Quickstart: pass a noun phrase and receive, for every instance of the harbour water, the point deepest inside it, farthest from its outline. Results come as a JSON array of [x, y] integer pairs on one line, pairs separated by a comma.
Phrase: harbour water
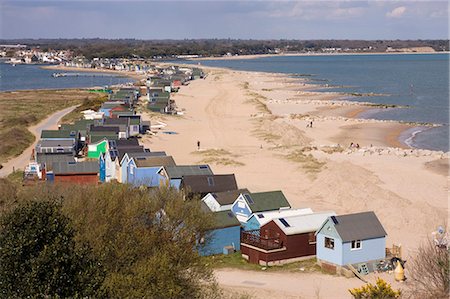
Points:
[[419, 82], [30, 76]]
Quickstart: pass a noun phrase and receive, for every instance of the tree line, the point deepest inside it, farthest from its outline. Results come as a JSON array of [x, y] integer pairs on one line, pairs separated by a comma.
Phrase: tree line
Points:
[[134, 48]]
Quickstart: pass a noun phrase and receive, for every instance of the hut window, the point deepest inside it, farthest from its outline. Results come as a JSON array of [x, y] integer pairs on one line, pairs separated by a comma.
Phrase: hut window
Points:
[[329, 243], [311, 238], [356, 244]]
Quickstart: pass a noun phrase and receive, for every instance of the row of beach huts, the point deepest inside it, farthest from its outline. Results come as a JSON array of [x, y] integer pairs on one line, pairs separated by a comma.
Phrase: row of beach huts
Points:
[[104, 147]]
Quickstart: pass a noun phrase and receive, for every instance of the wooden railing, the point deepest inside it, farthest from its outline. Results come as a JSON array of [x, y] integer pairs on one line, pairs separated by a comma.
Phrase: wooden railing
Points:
[[254, 238]]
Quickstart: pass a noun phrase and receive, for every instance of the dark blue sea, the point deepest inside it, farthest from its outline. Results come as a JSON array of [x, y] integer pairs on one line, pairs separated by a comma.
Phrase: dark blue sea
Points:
[[417, 81], [29, 76]]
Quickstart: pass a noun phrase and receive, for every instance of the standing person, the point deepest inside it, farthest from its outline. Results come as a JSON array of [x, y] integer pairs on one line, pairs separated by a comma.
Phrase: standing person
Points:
[[198, 145], [310, 124]]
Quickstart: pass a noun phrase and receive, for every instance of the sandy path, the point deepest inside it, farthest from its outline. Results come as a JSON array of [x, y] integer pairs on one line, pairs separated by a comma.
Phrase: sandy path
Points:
[[50, 123], [286, 284]]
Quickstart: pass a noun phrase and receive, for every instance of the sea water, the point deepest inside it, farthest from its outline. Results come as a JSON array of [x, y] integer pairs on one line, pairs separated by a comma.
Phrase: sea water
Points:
[[32, 76], [417, 82]]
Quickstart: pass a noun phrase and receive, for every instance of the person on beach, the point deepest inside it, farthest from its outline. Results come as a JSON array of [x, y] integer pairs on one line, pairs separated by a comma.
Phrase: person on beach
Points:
[[198, 145]]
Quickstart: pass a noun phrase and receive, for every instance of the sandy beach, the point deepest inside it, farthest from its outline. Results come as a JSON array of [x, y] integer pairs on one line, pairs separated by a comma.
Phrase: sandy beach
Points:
[[255, 125]]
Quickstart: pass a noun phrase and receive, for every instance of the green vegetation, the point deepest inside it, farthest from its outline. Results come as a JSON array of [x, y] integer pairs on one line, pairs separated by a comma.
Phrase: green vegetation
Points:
[[236, 261], [39, 256], [381, 290], [21, 109], [93, 103], [429, 271], [308, 162], [14, 141], [144, 240]]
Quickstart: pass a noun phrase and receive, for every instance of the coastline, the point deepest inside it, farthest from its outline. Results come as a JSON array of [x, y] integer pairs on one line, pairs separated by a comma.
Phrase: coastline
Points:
[[394, 137], [308, 54]]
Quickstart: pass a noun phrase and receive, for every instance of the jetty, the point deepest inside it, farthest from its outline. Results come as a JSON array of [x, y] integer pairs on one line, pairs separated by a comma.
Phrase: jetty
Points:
[[57, 75]]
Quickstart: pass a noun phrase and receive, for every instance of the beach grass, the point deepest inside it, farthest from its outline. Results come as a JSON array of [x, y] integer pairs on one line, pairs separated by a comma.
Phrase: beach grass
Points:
[[236, 261], [218, 157], [307, 161], [21, 109]]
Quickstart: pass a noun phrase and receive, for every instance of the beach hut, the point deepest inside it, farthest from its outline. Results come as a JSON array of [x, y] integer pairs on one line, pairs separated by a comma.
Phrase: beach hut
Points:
[[203, 184], [222, 201], [98, 148], [256, 220], [283, 240], [248, 203], [144, 171], [174, 174], [223, 235], [74, 172], [350, 239], [122, 164]]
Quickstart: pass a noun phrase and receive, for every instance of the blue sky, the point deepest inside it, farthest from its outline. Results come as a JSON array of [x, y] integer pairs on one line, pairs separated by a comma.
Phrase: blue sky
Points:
[[225, 19]]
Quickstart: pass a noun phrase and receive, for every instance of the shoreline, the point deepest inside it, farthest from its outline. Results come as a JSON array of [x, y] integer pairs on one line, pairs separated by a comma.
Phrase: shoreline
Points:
[[392, 139], [254, 56]]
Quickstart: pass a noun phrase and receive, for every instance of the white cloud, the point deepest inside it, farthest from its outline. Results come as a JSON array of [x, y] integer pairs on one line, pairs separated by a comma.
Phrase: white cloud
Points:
[[396, 12]]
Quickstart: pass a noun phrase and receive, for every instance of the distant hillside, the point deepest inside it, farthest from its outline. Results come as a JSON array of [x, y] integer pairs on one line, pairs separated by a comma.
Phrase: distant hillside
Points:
[[129, 48]]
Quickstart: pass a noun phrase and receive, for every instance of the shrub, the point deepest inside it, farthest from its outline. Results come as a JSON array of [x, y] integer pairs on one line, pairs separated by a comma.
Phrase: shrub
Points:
[[381, 290]]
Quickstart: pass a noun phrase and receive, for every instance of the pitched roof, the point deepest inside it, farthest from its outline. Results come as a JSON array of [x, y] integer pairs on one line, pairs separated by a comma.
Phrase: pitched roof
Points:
[[138, 153], [265, 217], [179, 171], [155, 161], [266, 201], [209, 183], [302, 223], [228, 197], [75, 167], [45, 134], [49, 159], [124, 142], [104, 129], [358, 226], [116, 121], [56, 143], [225, 219]]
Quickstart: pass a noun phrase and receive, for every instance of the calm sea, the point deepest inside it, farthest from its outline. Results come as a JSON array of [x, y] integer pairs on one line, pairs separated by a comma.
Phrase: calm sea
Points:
[[418, 81], [28, 76]]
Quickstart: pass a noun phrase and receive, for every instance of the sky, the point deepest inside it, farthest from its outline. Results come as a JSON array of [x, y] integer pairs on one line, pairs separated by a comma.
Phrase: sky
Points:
[[261, 19]]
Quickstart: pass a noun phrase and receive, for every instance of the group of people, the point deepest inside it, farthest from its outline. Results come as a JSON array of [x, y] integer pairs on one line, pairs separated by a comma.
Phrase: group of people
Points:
[[354, 145]]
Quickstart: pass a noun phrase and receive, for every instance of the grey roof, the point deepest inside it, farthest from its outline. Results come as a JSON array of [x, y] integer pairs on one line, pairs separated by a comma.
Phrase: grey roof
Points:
[[359, 226], [138, 153], [179, 171], [56, 143], [209, 183], [104, 129], [75, 167], [228, 197], [58, 134], [266, 201], [155, 161], [116, 121], [49, 159], [56, 146]]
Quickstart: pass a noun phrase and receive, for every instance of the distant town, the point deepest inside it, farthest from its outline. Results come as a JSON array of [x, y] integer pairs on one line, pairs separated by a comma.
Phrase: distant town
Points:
[[116, 54]]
